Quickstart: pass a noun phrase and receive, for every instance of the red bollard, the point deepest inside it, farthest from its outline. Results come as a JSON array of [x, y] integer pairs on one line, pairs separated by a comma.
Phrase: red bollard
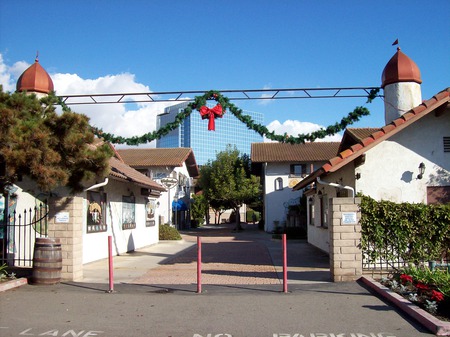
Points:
[[199, 265], [285, 287], [111, 268]]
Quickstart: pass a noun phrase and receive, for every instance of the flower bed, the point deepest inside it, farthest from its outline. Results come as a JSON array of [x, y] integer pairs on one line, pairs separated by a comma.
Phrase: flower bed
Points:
[[427, 289]]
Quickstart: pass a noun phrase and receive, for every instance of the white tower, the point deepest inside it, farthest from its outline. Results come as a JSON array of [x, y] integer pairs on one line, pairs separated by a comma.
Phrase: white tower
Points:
[[401, 83]]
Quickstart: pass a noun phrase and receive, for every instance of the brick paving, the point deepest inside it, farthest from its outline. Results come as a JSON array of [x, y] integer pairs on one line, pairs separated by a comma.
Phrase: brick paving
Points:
[[227, 258]]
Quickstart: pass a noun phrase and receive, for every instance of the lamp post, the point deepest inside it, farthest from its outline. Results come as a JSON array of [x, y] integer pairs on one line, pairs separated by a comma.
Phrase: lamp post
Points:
[[175, 198], [169, 183]]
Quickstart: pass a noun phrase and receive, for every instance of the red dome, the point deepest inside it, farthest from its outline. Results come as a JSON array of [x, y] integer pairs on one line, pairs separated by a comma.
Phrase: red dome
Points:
[[35, 79], [400, 68]]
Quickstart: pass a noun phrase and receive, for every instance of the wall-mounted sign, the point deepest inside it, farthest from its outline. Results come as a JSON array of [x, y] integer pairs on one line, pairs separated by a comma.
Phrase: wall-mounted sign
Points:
[[349, 218], [96, 212], [128, 212], [62, 217], [293, 182]]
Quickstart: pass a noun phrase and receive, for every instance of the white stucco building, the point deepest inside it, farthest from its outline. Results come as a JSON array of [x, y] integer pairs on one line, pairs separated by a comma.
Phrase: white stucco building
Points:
[[174, 168], [281, 166], [407, 160]]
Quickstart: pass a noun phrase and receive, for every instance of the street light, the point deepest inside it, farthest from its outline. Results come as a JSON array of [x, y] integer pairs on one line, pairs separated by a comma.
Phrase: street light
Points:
[[168, 183]]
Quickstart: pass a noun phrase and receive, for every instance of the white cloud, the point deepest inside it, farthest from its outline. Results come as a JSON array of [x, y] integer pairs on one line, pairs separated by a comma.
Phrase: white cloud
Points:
[[124, 120], [294, 128], [115, 118], [266, 96], [10, 74]]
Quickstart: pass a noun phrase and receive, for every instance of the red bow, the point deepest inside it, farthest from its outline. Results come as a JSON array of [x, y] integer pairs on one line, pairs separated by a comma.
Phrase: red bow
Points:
[[213, 113]]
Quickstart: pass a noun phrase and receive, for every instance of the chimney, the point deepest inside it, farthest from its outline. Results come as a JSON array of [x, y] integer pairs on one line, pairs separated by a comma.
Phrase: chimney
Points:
[[401, 84]]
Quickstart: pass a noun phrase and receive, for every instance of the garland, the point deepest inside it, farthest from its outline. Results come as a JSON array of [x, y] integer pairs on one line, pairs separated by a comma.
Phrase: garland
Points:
[[200, 101]]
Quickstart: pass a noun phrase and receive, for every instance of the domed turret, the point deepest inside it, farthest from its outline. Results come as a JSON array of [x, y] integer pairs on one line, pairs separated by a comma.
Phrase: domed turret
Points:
[[35, 79], [401, 83], [400, 68]]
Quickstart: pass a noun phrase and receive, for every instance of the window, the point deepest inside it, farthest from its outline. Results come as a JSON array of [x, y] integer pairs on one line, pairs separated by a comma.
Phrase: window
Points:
[[278, 184], [298, 170], [128, 212], [96, 212], [446, 141], [159, 175], [311, 211], [438, 194], [324, 210]]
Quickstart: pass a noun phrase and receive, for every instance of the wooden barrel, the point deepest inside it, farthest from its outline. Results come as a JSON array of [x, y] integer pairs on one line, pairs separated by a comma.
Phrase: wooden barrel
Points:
[[47, 261]]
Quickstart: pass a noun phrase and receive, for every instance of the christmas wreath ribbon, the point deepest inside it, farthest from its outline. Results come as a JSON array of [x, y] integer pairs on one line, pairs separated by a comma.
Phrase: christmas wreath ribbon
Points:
[[211, 114]]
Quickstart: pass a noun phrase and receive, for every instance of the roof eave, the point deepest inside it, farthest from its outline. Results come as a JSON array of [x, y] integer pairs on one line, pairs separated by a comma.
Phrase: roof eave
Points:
[[309, 179]]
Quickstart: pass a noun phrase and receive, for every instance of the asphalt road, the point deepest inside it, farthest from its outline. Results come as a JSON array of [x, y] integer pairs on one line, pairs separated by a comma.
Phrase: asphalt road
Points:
[[155, 295], [307, 310]]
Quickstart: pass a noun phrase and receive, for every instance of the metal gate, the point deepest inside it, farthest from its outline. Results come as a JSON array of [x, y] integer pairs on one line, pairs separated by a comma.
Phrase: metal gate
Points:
[[18, 232]]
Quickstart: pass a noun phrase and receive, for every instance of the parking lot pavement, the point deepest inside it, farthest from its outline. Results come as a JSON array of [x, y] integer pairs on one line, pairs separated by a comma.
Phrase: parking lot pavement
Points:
[[250, 256], [155, 295]]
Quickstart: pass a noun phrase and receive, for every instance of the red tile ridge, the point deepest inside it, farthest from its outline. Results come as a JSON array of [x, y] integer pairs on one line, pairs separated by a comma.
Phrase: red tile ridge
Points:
[[418, 109], [408, 115], [346, 153], [388, 128], [327, 167], [366, 141], [428, 103], [442, 95], [355, 148], [378, 134], [334, 161], [399, 121]]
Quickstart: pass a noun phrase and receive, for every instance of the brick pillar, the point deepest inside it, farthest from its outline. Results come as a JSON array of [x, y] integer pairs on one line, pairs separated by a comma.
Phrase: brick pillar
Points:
[[345, 239], [66, 224]]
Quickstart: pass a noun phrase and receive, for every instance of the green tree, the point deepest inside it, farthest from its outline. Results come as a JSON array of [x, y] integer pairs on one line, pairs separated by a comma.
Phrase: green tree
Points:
[[52, 149], [227, 182], [199, 208]]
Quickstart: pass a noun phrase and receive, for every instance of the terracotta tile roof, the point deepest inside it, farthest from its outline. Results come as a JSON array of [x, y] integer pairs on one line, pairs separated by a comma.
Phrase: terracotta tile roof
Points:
[[156, 157], [353, 136], [122, 172], [283, 152], [436, 103]]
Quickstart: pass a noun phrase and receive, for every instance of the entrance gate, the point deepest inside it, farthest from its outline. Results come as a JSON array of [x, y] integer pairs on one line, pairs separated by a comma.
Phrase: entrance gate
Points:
[[18, 233]]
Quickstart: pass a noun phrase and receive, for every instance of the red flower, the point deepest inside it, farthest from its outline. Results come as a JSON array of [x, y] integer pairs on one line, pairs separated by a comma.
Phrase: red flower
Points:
[[422, 286], [437, 296], [406, 278]]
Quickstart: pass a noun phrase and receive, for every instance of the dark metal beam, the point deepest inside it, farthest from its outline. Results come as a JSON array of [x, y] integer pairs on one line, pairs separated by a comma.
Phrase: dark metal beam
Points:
[[235, 95]]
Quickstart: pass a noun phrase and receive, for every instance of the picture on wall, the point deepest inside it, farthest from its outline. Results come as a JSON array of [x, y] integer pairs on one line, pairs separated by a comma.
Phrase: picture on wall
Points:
[[128, 212], [150, 208], [96, 212]]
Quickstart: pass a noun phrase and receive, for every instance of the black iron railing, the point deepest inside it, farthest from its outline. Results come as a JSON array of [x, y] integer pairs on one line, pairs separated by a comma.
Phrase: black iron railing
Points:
[[18, 233]]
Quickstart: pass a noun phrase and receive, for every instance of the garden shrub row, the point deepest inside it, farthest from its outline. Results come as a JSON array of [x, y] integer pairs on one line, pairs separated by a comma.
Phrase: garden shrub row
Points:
[[414, 232]]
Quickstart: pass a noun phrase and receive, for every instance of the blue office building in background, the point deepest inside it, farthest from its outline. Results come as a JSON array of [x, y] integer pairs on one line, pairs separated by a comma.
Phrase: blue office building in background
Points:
[[193, 132]]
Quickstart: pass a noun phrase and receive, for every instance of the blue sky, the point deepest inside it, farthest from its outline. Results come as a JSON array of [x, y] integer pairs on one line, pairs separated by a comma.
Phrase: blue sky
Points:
[[141, 46]]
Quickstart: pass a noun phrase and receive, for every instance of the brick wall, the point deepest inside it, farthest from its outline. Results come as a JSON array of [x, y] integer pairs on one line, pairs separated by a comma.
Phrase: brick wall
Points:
[[345, 239], [66, 224]]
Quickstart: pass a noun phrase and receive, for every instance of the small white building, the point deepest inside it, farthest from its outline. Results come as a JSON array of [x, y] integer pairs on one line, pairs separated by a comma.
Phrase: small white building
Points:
[[121, 206], [174, 168], [281, 166], [124, 206], [407, 160]]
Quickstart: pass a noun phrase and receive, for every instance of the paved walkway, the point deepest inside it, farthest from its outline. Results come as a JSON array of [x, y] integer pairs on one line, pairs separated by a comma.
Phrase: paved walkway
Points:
[[248, 257]]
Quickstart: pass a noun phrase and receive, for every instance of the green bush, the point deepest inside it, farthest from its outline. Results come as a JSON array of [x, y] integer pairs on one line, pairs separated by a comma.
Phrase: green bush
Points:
[[415, 232], [249, 216], [166, 232]]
